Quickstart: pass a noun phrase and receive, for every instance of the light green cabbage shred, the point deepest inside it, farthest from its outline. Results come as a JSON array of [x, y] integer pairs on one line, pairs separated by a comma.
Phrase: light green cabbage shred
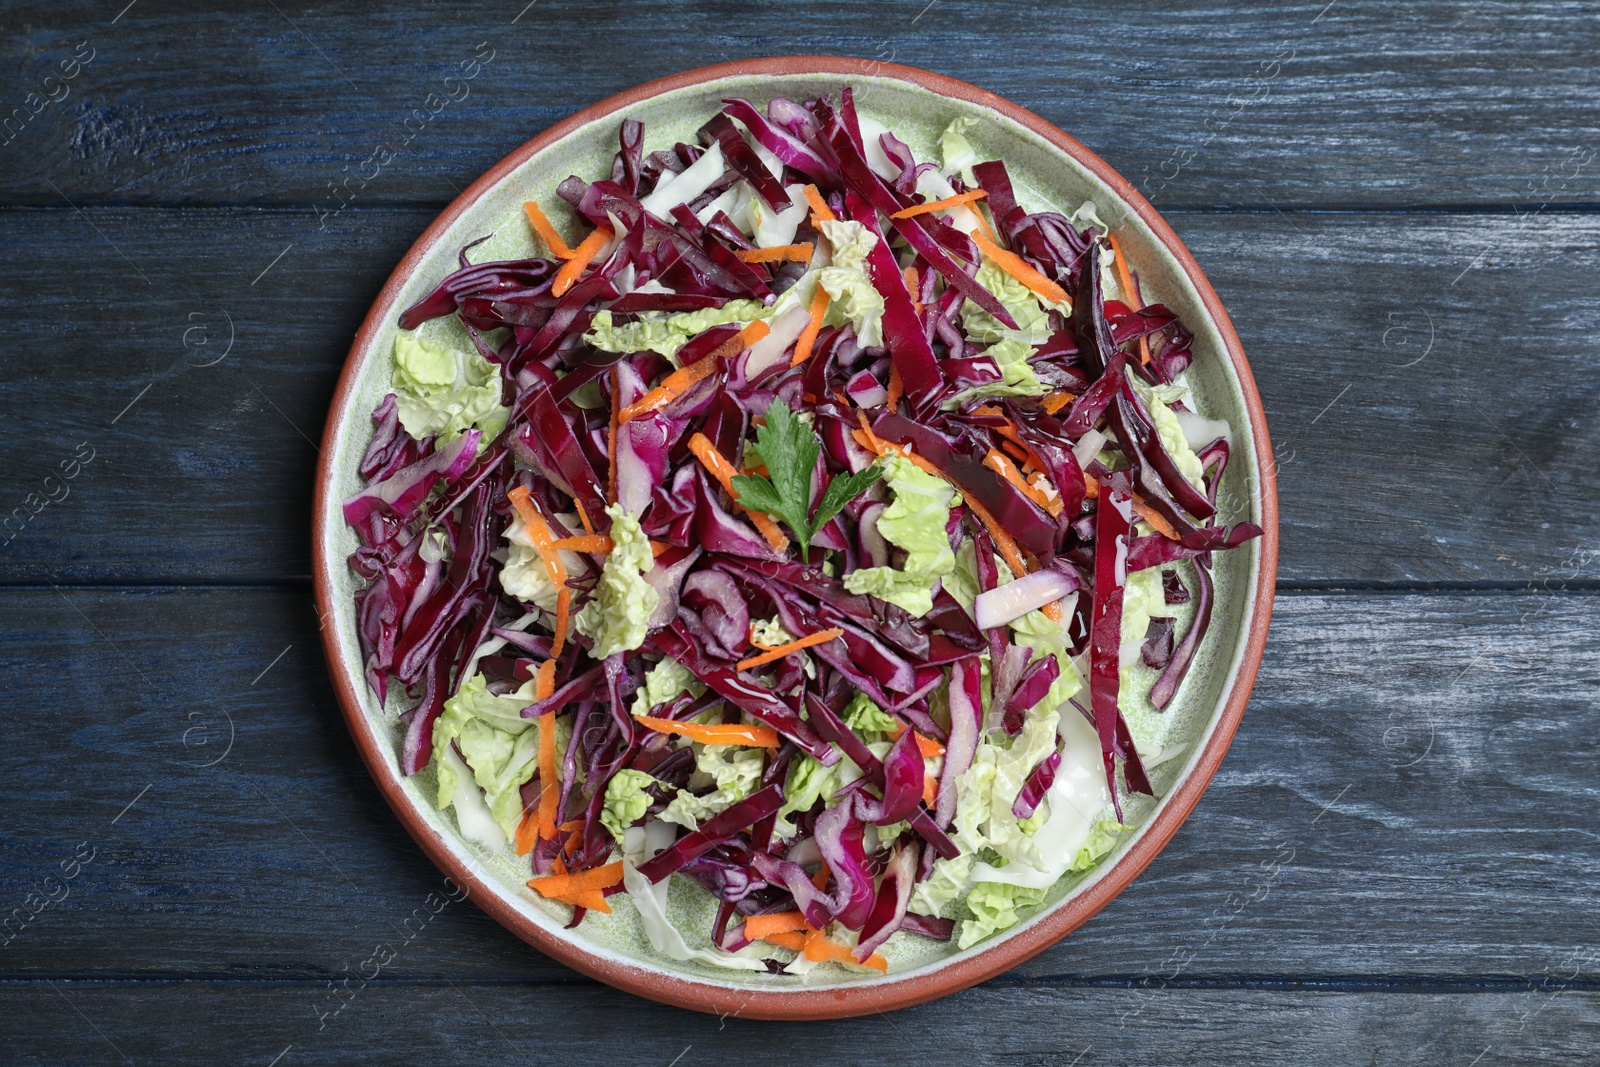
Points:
[[1033, 323], [955, 150], [735, 770], [852, 297], [626, 800], [915, 521], [663, 682], [444, 391], [865, 717], [616, 619], [665, 334], [499, 745], [994, 908], [1170, 430]]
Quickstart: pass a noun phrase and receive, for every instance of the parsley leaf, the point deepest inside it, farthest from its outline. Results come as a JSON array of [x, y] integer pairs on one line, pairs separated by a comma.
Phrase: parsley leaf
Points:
[[790, 449]]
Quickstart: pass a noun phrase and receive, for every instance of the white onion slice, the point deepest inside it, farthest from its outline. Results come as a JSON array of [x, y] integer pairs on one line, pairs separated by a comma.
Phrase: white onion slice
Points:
[[690, 183], [1015, 599]]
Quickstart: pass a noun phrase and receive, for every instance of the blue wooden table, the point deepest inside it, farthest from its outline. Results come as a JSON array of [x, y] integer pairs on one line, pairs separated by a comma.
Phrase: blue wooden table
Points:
[[1400, 859]]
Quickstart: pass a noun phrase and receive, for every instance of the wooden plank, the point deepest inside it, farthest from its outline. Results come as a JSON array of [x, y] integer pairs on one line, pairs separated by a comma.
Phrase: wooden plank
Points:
[[1428, 380], [210, 1023], [1309, 103], [1402, 800]]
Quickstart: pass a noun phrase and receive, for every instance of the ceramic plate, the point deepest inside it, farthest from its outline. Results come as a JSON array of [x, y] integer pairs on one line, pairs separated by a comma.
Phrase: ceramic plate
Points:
[[1050, 170]]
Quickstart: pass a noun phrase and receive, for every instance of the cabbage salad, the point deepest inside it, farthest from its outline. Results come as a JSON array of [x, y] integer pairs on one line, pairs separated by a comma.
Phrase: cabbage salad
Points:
[[791, 529]]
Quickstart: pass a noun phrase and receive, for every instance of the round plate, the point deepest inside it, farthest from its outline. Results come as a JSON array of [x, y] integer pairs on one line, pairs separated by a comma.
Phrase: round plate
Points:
[[1050, 170]]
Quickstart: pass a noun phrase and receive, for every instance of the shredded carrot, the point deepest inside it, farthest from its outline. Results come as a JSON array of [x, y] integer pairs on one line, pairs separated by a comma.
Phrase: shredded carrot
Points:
[[986, 226], [1003, 542], [590, 899], [820, 879], [808, 336], [914, 287], [1130, 295], [716, 733], [658, 547], [1091, 488], [757, 927], [581, 256], [544, 544], [574, 839], [897, 388], [820, 948], [1001, 464], [795, 942], [527, 831], [930, 789], [1019, 269], [567, 884], [1156, 519], [1017, 452], [879, 447], [941, 205], [541, 226], [1057, 400], [598, 544], [571, 825], [681, 380], [723, 472], [929, 748], [583, 516], [800, 253], [876, 445], [818, 638], [820, 211]]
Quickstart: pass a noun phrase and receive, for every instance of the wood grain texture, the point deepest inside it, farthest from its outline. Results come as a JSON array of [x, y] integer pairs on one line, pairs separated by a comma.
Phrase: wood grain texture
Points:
[[1429, 384], [209, 1023], [1220, 103], [1411, 795]]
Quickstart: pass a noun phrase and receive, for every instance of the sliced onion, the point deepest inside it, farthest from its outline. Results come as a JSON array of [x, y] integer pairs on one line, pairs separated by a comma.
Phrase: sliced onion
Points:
[[1015, 599]]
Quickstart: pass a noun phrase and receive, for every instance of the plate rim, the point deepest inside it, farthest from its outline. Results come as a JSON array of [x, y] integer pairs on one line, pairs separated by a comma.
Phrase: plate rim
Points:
[[874, 995]]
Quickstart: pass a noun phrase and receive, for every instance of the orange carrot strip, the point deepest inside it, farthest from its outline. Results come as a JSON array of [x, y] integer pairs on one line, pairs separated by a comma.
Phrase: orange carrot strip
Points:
[[544, 544], [598, 544], [1130, 295], [795, 942], [897, 388], [549, 788], [757, 927], [941, 205], [1019, 269], [1057, 400], [581, 257], [1001, 464], [1155, 518], [570, 825], [930, 790], [580, 882], [876, 445], [800, 253], [820, 948], [1003, 542], [818, 638], [583, 516], [1091, 488], [879, 447], [820, 879], [914, 287], [527, 831], [808, 336], [716, 733], [820, 211], [929, 748], [541, 226], [679, 381], [723, 472]]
